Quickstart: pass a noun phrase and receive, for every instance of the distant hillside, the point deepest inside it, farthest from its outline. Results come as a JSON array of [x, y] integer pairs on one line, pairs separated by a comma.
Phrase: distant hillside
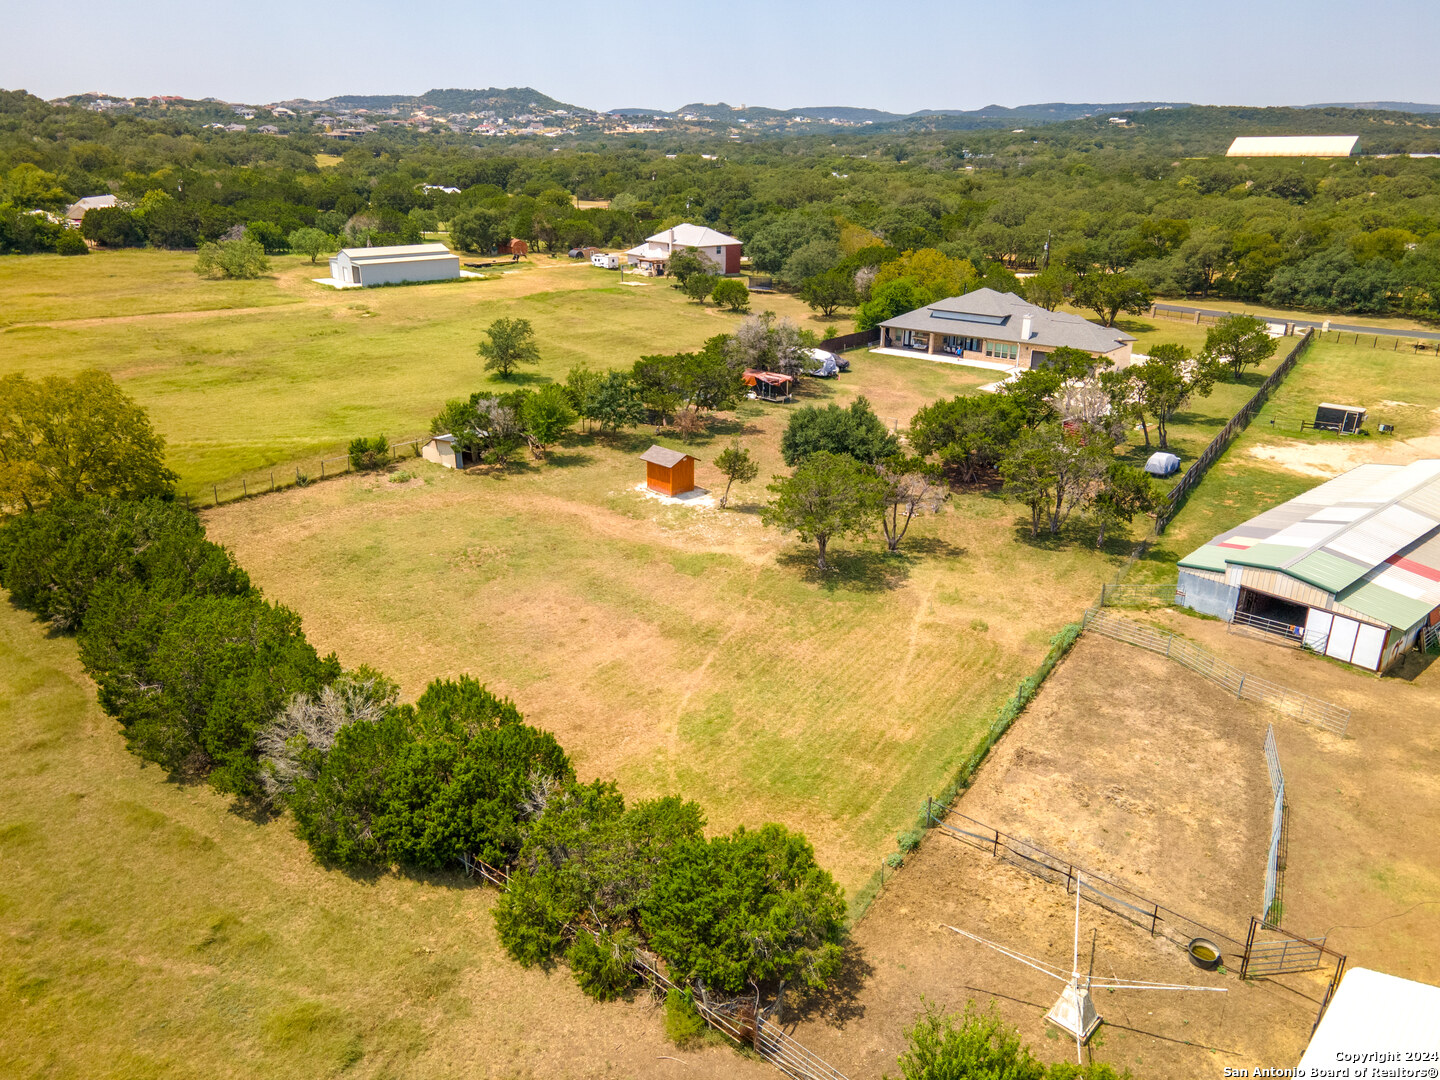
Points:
[[511, 101], [1386, 106], [1048, 113]]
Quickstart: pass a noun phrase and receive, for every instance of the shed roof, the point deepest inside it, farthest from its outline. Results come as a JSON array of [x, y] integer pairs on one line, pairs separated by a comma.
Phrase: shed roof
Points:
[[666, 459], [997, 316], [397, 253], [1374, 1012], [1294, 146], [1370, 538]]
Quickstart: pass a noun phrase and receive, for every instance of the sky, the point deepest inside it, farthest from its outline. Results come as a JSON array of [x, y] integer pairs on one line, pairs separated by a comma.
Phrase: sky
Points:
[[901, 56]]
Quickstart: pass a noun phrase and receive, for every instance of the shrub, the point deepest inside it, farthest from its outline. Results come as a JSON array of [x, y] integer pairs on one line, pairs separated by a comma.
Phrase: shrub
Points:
[[684, 1026], [243, 258], [602, 964], [731, 293], [70, 242], [368, 454]]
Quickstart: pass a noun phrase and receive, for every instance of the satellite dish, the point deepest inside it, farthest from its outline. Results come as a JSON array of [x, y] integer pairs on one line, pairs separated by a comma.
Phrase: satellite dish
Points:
[[1074, 1011]]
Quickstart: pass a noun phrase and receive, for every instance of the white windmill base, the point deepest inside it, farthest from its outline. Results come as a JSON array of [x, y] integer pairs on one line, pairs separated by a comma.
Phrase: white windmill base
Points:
[[1075, 1012]]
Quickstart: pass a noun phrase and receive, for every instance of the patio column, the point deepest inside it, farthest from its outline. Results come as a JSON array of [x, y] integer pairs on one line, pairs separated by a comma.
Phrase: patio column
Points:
[[933, 337]]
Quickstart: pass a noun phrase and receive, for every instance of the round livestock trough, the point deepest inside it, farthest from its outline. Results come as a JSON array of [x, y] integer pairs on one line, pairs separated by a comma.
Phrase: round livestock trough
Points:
[[1204, 953]]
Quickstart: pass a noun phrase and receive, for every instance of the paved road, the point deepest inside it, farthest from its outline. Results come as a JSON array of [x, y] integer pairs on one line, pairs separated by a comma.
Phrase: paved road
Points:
[[1420, 335]]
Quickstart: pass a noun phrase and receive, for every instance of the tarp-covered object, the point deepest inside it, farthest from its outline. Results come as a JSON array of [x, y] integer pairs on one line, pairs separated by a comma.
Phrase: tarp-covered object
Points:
[[1162, 464], [823, 364]]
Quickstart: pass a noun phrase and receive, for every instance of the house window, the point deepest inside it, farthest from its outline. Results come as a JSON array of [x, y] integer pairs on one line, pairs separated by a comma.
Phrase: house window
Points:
[[957, 345], [1002, 350]]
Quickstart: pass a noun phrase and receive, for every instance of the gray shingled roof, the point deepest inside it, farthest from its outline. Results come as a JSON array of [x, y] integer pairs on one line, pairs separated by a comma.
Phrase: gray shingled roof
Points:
[[666, 459], [1001, 318]]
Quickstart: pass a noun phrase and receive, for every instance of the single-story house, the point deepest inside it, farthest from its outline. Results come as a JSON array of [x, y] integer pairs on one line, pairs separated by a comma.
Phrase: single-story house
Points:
[[443, 451], [721, 251], [1309, 146], [668, 472], [397, 263], [999, 330], [1350, 568], [1374, 1014], [75, 213]]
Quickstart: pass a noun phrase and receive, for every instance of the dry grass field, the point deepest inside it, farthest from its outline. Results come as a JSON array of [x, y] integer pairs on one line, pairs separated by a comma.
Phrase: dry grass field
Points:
[[147, 931]]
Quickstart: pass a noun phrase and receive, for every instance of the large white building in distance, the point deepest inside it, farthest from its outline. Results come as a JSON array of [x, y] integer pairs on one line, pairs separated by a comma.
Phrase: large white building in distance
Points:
[[1306, 146], [393, 265]]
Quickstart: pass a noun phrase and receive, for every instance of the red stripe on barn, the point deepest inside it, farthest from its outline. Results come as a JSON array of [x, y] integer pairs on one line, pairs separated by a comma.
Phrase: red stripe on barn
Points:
[[1419, 569]]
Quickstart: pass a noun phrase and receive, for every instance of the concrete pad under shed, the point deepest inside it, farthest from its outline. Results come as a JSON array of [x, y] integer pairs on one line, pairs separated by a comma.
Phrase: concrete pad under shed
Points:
[[698, 498]]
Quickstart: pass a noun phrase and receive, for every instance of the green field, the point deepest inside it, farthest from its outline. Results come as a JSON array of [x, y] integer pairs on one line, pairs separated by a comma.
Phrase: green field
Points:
[[670, 648], [1273, 460]]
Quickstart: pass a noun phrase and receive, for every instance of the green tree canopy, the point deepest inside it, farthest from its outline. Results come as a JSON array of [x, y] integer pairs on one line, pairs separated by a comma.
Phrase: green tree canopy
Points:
[[1239, 342], [855, 431], [308, 241], [748, 912], [1109, 294], [828, 496], [73, 438], [509, 343]]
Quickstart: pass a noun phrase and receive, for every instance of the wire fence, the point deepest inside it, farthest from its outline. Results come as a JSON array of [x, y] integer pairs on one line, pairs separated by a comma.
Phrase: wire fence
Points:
[[300, 473], [1237, 423], [746, 1024], [1247, 687], [1275, 862], [1118, 594]]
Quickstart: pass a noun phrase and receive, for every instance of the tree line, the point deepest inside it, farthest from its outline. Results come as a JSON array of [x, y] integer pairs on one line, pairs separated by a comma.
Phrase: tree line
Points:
[[1347, 235], [215, 683]]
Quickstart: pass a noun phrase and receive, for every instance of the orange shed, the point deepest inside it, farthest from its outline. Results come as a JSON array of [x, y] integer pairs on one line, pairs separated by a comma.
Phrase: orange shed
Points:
[[668, 471]]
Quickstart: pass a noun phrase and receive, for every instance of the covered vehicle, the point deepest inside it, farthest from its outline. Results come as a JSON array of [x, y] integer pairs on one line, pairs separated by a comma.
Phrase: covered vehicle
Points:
[[824, 364], [1162, 463]]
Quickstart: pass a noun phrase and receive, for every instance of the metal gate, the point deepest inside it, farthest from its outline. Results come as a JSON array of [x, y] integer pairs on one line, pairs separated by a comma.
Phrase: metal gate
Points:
[[1270, 951]]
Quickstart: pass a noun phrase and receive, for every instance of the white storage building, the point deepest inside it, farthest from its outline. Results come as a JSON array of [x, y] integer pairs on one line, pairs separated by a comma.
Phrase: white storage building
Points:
[[1309, 146], [392, 265]]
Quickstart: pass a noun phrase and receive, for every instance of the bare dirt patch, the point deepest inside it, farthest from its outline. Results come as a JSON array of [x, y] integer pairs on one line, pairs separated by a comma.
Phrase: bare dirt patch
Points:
[[1137, 769], [1144, 772], [1325, 460]]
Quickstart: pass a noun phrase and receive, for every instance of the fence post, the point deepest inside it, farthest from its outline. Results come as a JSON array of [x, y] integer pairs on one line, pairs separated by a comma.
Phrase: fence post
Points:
[[244, 488], [1240, 690], [272, 479], [215, 490], [322, 468], [929, 817]]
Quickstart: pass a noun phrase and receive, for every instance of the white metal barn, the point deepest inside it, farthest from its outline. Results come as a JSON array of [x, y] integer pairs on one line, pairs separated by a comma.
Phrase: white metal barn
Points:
[[392, 265], [1395, 1020], [1308, 146], [1350, 568]]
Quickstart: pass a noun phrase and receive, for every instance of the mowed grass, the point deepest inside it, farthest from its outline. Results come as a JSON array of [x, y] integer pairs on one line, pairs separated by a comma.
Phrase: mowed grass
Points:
[[237, 390], [684, 650], [148, 931], [1397, 387]]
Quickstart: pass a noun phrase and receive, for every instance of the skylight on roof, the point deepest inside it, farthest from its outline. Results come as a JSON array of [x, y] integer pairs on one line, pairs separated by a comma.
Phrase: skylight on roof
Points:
[[968, 316]]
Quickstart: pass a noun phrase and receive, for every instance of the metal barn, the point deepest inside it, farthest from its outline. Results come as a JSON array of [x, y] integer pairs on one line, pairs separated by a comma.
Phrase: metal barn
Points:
[[1350, 569]]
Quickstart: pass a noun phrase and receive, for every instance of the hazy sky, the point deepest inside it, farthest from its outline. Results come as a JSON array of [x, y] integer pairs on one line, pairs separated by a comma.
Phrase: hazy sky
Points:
[[900, 56]]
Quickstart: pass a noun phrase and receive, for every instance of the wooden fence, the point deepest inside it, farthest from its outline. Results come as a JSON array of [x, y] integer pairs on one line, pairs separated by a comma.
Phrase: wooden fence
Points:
[[1266, 951], [1236, 424], [850, 341], [1291, 703]]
